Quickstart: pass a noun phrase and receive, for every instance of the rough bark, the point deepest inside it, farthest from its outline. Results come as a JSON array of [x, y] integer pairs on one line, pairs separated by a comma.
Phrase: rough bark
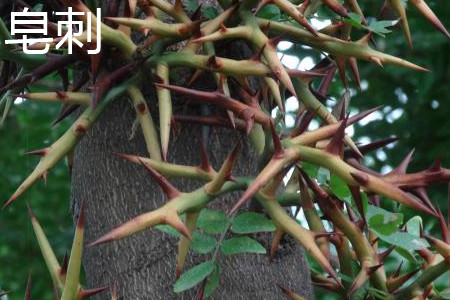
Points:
[[143, 265]]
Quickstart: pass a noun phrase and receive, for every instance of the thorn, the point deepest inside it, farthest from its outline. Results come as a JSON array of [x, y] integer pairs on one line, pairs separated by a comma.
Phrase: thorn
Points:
[[303, 122], [318, 191], [429, 14], [194, 77], [354, 67], [289, 293], [65, 265], [114, 293], [65, 111], [171, 191], [205, 165], [278, 149], [436, 165], [175, 221], [92, 292], [28, 289], [81, 215], [376, 60], [275, 244], [224, 173], [40, 152], [398, 270], [365, 40], [336, 145], [336, 7], [385, 254], [370, 147], [403, 166]]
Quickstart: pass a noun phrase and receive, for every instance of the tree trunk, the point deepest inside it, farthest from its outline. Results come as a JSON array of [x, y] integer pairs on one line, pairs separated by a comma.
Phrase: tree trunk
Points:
[[143, 265]]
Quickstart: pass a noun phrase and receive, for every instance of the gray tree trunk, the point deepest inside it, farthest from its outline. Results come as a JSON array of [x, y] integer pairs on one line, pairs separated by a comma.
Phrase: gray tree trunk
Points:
[[143, 265]]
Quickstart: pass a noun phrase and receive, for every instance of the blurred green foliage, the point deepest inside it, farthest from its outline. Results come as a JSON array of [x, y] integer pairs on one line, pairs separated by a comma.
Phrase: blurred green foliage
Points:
[[29, 128]]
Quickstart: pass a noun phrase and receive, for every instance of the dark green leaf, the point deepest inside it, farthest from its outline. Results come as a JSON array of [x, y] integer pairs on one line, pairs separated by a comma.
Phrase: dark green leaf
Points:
[[241, 245], [339, 187], [192, 5], [212, 282], [168, 229], [212, 221], [271, 12], [251, 222], [193, 276], [323, 175], [405, 240], [202, 243], [209, 12], [413, 225], [383, 221]]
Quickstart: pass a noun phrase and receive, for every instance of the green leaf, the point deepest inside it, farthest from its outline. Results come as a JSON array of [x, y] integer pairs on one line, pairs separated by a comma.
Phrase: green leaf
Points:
[[406, 254], [192, 5], [413, 225], [241, 245], [202, 243], [323, 175], [212, 221], [354, 20], [339, 187], [209, 12], [212, 282], [380, 27], [405, 241], [271, 12], [310, 169], [193, 276], [251, 222], [382, 221], [168, 229], [445, 294]]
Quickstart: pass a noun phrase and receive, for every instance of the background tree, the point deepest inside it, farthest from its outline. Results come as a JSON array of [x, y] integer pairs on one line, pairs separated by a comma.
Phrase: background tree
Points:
[[93, 166]]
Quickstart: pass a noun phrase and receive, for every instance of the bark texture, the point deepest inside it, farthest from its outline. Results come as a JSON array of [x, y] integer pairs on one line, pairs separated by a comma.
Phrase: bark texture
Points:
[[143, 265]]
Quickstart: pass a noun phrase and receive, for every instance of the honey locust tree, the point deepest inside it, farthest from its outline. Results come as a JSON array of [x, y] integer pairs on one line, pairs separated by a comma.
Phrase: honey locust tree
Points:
[[147, 112]]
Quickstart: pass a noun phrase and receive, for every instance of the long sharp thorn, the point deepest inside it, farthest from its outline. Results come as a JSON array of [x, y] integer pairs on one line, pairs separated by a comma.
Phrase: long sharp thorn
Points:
[[336, 7], [72, 282], [114, 293], [40, 152], [399, 8], [278, 149], [166, 186], [224, 173], [444, 227], [91, 292], [205, 165], [175, 221], [370, 147], [391, 191], [395, 282], [336, 145], [362, 277], [66, 111], [403, 166], [28, 290], [355, 71], [289, 293], [275, 243], [429, 14]]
